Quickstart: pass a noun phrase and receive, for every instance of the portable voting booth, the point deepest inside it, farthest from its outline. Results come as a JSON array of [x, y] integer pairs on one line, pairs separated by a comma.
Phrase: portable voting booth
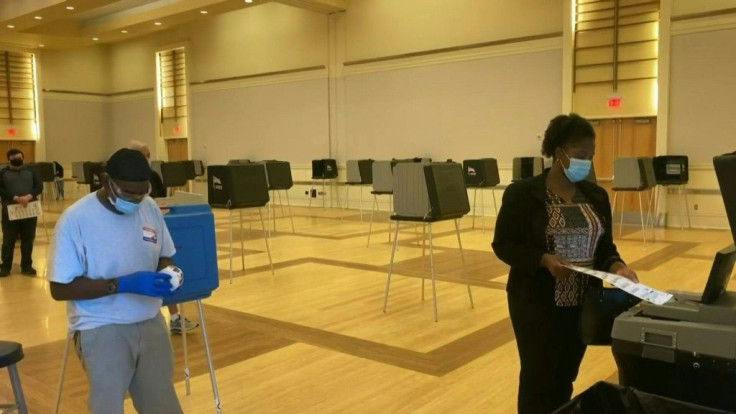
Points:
[[526, 167], [428, 193], [237, 187], [323, 170], [686, 348], [359, 173], [480, 174], [192, 228], [278, 178]]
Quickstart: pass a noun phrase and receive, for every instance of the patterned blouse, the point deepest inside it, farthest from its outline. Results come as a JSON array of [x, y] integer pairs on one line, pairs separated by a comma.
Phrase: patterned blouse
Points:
[[573, 232]]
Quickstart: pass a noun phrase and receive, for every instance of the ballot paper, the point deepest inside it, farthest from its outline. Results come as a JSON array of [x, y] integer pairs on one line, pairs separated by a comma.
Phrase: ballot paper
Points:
[[639, 290], [18, 211]]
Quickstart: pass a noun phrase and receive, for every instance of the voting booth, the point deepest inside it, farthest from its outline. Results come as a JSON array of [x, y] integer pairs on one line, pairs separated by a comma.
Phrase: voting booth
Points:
[[686, 348], [237, 187], [279, 179], [427, 193], [481, 174], [526, 167], [323, 170], [359, 173], [92, 174]]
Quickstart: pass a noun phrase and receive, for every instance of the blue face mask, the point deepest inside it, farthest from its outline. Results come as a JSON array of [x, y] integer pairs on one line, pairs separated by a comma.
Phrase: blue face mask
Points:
[[578, 170], [122, 205]]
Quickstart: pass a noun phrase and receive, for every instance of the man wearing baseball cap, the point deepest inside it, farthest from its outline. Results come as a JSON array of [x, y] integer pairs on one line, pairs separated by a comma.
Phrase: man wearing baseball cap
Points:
[[104, 261]]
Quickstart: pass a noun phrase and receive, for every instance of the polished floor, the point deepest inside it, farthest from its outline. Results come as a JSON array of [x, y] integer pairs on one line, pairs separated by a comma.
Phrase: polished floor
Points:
[[312, 337]]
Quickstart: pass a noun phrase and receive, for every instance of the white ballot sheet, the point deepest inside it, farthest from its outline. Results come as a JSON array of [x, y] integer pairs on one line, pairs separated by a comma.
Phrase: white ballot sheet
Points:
[[639, 290], [18, 212]]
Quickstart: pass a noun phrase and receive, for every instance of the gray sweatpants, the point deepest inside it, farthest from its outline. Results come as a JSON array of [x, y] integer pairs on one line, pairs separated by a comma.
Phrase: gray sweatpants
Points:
[[137, 358]]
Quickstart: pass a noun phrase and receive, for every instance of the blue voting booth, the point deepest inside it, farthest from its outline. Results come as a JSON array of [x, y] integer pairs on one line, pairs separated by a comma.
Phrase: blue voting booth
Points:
[[192, 227]]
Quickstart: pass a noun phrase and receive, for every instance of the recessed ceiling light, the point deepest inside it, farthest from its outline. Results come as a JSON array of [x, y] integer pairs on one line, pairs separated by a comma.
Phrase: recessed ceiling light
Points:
[[41, 45], [10, 26], [249, 1], [95, 38], [38, 17], [70, 7], [123, 31], [157, 23], [203, 11]]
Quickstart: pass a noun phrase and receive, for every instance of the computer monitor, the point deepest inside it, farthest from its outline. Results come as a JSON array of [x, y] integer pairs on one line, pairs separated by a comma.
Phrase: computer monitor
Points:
[[725, 166], [720, 274]]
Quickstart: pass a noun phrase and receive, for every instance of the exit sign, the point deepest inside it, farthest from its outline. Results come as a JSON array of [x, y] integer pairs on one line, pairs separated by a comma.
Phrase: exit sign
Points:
[[614, 102]]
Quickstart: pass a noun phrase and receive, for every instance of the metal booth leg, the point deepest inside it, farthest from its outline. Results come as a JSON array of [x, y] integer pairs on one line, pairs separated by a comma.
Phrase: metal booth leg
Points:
[[213, 380], [462, 260], [390, 269]]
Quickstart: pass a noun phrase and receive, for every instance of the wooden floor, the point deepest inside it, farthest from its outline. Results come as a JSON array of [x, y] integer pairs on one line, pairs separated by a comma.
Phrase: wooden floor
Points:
[[312, 338]]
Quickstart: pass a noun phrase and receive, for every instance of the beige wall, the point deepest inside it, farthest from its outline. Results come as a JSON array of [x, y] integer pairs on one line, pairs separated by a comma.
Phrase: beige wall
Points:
[[81, 70], [703, 84], [377, 28], [267, 38], [76, 130], [685, 7]]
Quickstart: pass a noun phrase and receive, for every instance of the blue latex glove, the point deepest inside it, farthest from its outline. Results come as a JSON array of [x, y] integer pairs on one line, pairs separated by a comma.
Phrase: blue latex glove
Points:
[[153, 284]]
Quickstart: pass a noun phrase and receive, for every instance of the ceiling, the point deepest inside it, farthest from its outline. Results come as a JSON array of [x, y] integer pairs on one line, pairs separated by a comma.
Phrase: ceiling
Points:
[[64, 24]]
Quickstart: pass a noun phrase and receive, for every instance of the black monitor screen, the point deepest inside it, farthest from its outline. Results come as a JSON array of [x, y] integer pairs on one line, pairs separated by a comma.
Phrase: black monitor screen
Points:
[[720, 274], [725, 166]]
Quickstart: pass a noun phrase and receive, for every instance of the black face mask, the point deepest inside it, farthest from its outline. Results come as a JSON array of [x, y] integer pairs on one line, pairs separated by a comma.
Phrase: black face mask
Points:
[[16, 162]]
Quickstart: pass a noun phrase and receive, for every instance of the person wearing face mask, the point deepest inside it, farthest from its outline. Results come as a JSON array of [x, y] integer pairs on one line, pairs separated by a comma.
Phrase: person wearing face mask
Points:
[[104, 261], [18, 185], [176, 322], [546, 222]]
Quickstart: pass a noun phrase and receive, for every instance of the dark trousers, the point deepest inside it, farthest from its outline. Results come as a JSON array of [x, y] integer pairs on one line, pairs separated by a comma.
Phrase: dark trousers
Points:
[[550, 352], [26, 229]]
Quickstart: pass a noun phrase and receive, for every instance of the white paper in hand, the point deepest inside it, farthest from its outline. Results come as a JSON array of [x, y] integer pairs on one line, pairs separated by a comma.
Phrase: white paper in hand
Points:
[[639, 290]]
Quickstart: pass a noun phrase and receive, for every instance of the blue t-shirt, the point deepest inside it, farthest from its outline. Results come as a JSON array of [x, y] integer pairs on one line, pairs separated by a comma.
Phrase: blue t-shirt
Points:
[[94, 242]]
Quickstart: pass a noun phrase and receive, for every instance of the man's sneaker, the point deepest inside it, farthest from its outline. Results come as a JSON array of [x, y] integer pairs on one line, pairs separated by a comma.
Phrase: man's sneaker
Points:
[[4, 272], [29, 271], [175, 326]]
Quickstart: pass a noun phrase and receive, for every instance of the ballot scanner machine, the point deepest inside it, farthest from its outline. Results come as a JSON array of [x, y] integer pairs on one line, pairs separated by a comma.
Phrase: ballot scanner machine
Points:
[[686, 348]]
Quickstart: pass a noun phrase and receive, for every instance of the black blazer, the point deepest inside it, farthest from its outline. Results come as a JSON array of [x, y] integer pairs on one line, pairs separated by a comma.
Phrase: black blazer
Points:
[[520, 240]]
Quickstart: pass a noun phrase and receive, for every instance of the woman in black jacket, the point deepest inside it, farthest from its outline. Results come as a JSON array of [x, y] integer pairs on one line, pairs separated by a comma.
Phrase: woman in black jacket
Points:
[[546, 222]]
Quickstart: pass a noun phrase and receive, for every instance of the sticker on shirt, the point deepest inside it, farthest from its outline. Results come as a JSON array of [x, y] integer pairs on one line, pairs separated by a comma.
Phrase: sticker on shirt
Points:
[[149, 235]]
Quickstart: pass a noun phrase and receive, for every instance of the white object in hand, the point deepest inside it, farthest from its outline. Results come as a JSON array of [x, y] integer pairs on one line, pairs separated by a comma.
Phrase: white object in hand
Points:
[[177, 276]]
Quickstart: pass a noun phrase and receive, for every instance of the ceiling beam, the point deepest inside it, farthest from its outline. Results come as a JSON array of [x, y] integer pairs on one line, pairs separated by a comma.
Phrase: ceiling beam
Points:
[[321, 6]]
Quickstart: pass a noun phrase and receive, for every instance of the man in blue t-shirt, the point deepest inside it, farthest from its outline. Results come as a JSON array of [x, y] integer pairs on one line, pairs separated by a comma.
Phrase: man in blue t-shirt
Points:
[[105, 258]]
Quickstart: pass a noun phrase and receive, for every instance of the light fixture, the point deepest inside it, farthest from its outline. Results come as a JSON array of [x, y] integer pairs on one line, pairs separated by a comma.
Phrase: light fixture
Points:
[[70, 7], [10, 26], [38, 17], [95, 38], [203, 11], [249, 1], [123, 31], [157, 23], [41, 45]]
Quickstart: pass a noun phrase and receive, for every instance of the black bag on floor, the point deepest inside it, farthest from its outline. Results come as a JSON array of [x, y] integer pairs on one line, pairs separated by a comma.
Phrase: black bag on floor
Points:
[[605, 398]]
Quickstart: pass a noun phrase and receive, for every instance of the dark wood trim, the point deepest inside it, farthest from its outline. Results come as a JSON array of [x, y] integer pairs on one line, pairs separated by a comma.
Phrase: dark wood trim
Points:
[[260, 75], [455, 48], [107, 95], [711, 13]]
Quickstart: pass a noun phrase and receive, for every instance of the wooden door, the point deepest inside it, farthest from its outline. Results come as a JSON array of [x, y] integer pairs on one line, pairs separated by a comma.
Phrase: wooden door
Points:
[[622, 137], [177, 149], [27, 146], [605, 145]]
